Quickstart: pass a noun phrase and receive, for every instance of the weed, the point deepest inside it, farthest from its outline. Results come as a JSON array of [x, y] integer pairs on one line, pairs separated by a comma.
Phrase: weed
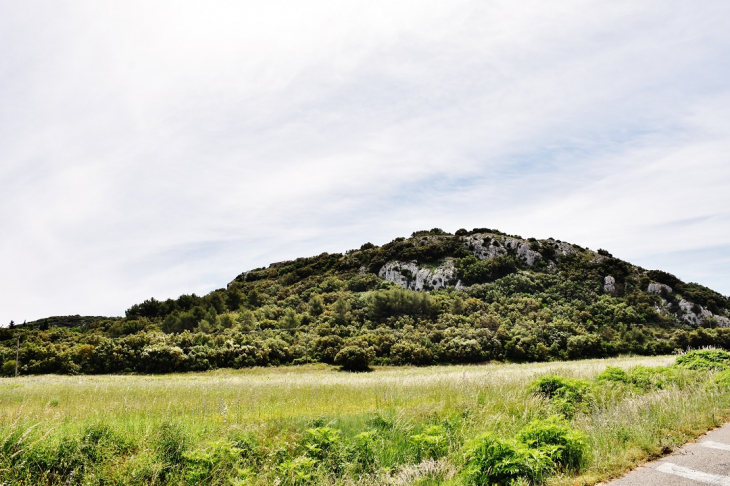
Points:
[[565, 446], [298, 471], [101, 442], [362, 450], [494, 461], [568, 396], [430, 444], [322, 442], [379, 422]]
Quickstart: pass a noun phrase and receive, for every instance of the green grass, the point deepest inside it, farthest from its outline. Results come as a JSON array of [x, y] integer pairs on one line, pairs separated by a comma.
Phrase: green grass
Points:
[[316, 425]]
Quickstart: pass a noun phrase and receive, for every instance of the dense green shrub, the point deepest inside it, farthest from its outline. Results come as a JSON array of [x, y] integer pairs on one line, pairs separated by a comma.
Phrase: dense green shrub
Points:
[[493, 461], [565, 446], [431, 443], [355, 358], [472, 270], [613, 374], [705, 360], [568, 395], [641, 377], [407, 352], [325, 445]]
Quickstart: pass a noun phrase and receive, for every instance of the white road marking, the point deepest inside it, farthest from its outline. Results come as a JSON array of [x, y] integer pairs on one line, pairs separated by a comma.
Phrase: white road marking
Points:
[[695, 475], [715, 445]]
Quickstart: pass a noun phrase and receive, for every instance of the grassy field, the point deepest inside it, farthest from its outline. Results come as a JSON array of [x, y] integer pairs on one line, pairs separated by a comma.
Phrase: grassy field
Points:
[[316, 425]]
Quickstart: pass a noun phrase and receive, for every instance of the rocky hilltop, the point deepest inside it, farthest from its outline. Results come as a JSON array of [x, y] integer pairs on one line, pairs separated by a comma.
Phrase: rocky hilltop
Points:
[[435, 297], [424, 272]]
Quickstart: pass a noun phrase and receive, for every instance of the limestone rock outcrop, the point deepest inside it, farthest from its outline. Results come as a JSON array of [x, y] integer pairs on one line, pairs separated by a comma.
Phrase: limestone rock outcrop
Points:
[[609, 284], [412, 277]]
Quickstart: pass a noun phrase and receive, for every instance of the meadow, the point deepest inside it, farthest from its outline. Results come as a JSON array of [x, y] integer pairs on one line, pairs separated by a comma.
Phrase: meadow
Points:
[[314, 424]]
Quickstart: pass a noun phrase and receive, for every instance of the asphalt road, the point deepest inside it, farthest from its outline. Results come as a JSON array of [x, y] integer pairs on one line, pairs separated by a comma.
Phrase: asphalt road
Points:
[[706, 461]]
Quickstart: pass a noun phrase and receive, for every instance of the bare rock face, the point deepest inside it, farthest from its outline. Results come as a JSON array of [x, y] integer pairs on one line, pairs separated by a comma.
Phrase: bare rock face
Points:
[[412, 277], [656, 288], [695, 314], [486, 246], [609, 284], [561, 248]]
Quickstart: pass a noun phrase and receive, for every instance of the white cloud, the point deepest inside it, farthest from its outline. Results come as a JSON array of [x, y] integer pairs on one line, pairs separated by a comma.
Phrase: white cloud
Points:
[[155, 149]]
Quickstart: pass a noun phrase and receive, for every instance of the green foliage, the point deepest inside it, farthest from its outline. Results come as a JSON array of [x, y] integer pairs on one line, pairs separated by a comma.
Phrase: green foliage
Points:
[[397, 302], [298, 471], [613, 374], [493, 461], [705, 360], [362, 450], [565, 446], [431, 443], [722, 379], [355, 358], [170, 443], [568, 396], [310, 309], [472, 270], [8, 368], [641, 377], [407, 352], [322, 442]]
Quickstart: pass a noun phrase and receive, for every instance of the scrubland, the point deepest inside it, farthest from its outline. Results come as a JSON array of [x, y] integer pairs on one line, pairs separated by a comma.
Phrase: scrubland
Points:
[[313, 424]]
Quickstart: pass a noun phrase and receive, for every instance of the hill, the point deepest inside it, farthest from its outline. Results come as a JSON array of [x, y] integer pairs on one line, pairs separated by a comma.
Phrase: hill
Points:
[[435, 297]]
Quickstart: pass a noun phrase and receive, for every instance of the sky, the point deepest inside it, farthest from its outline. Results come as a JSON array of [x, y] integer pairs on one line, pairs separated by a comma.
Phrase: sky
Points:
[[151, 149]]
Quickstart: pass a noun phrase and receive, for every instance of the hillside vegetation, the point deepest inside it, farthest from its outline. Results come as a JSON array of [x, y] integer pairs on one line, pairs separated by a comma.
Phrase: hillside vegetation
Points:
[[471, 297]]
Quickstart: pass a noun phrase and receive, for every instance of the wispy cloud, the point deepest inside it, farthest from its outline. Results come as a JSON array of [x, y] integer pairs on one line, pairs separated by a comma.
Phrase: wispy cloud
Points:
[[155, 149]]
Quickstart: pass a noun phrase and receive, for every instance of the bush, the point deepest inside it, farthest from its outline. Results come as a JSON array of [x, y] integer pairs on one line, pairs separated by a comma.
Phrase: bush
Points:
[[297, 471], [362, 451], [431, 443], [325, 348], [491, 461], [707, 359], [472, 270], [407, 352], [565, 446], [322, 442], [8, 368], [613, 374], [355, 358], [641, 377], [569, 396]]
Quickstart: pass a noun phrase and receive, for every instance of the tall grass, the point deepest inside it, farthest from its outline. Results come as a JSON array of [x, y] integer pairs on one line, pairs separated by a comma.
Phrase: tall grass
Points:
[[315, 425]]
